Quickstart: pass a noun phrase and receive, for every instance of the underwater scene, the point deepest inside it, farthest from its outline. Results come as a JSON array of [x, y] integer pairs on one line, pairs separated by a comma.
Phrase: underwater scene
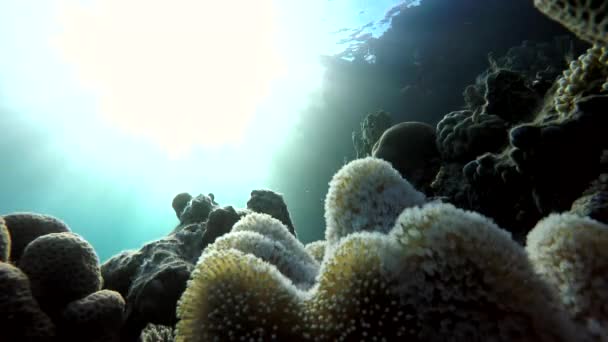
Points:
[[319, 170]]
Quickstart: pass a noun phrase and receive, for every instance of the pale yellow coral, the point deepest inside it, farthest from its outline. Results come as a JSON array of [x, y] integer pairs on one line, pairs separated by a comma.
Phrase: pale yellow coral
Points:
[[571, 252], [366, 195], [468, 280], [316, 249], [586, 75], [441, 274], [234, 296]]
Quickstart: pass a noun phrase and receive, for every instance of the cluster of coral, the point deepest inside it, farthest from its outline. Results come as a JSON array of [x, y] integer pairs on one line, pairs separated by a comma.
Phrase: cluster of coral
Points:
[[396, 264], [50, 284], [530, 139]]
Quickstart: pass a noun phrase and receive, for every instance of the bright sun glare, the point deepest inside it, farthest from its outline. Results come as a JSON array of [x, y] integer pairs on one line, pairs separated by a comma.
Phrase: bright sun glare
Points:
[[178, 73]]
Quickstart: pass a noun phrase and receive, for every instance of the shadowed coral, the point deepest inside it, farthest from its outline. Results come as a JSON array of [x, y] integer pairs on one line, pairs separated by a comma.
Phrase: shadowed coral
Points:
[[21, 319], [197, 208], [411, 149], [366, 195], [316, 249], [97, 317], [588, 19], [157, 286], [119, 271], [25, 227], [585, 76], [463, 135], [5, 242], [62, 267], [571, 252], [273, 204], [234, 296], [180, 201], [220, 222]]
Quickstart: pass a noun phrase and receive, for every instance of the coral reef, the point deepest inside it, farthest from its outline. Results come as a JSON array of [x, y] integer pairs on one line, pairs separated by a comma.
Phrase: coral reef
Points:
[[410, 148], [526, 129], [393, 266], [438, 273]]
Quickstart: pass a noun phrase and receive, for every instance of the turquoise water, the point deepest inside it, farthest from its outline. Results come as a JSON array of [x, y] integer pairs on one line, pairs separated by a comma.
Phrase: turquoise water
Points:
[[62, 155]]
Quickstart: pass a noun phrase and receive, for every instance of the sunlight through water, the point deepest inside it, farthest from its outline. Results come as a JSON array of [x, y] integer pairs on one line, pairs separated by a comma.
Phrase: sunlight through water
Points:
[[176, 73]]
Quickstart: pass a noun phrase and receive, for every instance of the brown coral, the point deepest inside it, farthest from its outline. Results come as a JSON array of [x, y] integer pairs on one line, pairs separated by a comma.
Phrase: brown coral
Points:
[[96, 317], [25, 227], [62, 267], [20, 316]]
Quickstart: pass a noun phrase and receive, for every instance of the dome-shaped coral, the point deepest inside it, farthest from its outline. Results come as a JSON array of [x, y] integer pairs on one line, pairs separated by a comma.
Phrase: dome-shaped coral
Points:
[[96, 317], [234, 296], [357, 299], [20, 316], [411, 149], [62, 267], [465, 279], [571, 252], [5, 241], [366, 195], [25, 227]]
